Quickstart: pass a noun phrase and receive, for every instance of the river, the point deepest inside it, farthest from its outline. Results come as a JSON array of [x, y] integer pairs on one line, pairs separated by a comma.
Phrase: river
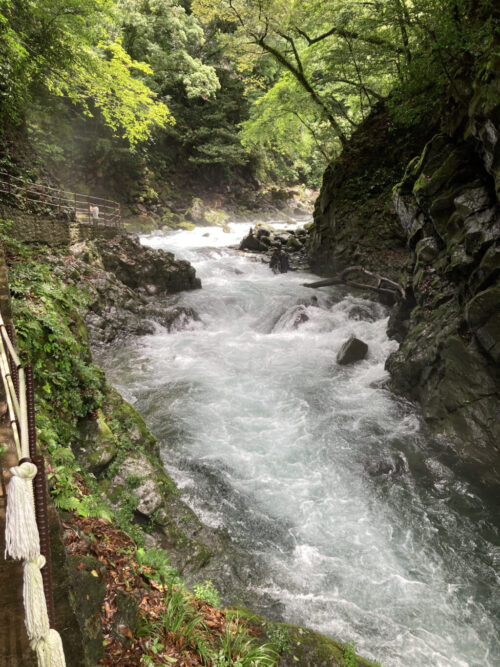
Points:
[[312, 468]]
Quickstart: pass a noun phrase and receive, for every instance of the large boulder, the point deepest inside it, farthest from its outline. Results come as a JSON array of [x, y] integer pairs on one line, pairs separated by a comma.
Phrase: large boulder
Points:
[[139, 267], [98, 446], [351, 351], [197, 213]]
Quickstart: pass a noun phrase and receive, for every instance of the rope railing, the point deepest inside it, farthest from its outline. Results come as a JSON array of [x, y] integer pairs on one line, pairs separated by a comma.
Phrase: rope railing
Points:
[[38, 197], [26, 530]]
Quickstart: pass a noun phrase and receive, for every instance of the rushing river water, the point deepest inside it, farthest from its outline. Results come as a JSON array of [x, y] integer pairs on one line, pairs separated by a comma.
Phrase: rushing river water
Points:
[[313, 468]]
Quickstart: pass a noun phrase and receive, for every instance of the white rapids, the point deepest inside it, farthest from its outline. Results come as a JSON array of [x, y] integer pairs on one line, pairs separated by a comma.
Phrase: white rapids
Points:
[[315, 468]]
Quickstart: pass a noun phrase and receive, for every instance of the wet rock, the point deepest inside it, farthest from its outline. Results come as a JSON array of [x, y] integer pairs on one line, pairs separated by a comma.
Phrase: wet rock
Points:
[[197, 213], [98, 446], [138, 474], [472, 201], [427, 250], [483, 315], [351, 351], [137, 266], [264, 229], [293, 244], [251, 242]]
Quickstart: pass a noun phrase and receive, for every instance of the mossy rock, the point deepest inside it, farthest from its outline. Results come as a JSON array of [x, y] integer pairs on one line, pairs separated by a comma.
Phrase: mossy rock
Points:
[[87, 578], [126, 617], [307, 648], [483, 306], [98, 447]]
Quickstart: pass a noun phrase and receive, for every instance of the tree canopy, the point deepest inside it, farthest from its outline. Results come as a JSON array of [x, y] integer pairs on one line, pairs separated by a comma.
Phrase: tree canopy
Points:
[[276, 85]]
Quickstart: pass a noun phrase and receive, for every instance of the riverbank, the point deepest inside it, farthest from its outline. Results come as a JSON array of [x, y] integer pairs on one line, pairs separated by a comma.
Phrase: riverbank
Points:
[[105, 468]]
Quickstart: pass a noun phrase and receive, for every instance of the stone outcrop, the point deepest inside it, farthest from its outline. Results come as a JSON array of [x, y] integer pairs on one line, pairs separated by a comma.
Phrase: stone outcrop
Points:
[[449, 358], [119, 310], [264, 238], [155, 272], [354, 217], [438, 233]]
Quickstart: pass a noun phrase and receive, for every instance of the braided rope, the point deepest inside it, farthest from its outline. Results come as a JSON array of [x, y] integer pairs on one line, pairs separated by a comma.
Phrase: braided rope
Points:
[[22, 538]]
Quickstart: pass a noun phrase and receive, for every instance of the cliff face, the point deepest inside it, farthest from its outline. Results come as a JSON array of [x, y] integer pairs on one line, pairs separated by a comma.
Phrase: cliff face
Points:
[[449, 358], [354, 218], [448, 214]]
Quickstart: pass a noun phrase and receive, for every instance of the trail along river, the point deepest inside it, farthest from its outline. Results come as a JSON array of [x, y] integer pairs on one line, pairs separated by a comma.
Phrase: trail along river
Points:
[[313, 468]]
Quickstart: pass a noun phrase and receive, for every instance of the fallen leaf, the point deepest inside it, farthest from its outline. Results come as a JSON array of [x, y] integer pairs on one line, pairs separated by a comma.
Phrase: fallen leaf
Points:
[[125, 631]]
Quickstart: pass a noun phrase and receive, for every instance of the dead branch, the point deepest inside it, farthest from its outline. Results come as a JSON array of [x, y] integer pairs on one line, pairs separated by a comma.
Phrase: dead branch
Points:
[[384, 285]]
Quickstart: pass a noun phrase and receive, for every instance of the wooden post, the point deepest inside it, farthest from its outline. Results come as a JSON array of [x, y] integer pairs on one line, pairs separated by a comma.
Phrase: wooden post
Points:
[[120, 216], [43, 195], [26, 195], [74, 199], [88, 205], [59, 203]]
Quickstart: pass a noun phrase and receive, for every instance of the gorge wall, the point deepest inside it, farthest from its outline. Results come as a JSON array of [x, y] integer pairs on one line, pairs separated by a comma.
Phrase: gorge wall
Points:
[[438, 232]]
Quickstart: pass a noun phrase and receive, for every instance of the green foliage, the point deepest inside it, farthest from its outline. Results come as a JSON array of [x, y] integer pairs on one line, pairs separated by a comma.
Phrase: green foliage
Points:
[[169, 39], [208, 593], [156, 566], [179, 616], [73, 49], [279, 637], [321, 66], [240, 650], [350, 659]]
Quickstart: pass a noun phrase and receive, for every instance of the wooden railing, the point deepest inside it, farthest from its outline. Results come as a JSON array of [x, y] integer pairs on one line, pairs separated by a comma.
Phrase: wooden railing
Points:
[[70, 206]]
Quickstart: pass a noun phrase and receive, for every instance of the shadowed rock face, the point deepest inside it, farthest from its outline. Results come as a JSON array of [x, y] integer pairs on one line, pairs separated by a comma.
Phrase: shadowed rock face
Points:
[[438, 232], [354, 218], [449, 358]]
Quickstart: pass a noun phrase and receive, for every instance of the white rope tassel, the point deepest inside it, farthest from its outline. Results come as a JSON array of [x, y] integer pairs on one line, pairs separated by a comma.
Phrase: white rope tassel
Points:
[[37, 619], [22, 541], [49, 650]]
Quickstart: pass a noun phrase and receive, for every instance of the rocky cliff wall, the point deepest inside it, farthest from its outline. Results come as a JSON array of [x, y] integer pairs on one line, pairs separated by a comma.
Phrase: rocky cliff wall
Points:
[[355, 221], [439, 230], [449, 358]]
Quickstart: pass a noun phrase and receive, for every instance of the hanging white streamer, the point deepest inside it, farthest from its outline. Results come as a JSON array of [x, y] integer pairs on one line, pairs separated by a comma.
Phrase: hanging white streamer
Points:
[[22, 541], [49, 650], [37, 619]]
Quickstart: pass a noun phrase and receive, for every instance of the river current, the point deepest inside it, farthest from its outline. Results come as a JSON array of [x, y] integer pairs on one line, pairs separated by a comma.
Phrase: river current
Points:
[[312, 468]]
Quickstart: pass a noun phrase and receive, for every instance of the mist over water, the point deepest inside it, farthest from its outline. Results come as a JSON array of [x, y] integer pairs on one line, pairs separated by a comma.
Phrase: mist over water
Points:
[[313, 468]]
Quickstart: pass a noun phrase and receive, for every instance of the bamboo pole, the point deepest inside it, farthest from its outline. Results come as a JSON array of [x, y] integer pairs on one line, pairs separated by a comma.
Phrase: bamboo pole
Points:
[[9, 394]]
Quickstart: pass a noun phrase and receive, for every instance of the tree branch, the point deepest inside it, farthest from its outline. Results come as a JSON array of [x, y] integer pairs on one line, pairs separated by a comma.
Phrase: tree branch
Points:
[[301, 78], [348, 34], [342, 278]]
